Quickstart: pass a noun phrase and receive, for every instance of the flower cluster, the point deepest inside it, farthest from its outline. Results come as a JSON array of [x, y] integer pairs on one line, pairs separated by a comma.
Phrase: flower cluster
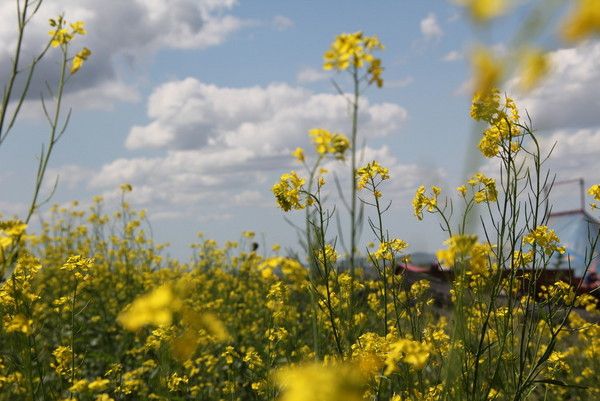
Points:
[[486, 188], [546, 239], [594, 191], [326, 142], [465, 249], [287, 191], [502, 115], [356, 50], [421, 201], [61, 36], [389, 249], [369, 173]]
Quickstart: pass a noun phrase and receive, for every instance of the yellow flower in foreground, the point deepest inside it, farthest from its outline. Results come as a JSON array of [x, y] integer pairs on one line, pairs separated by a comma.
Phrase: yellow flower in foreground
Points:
[[79, 59], [584, 21], [487, 70], [298, 154], [534, 66], [323, 382], [484, 10], [155, 308]]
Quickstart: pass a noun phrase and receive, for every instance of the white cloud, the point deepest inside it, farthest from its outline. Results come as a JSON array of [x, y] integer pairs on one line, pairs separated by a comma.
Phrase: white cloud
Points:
[[118, 31], [282, 23], [568, 97], [225, 147], [452, 56], [430, 27], [189, 114], [309, 74]]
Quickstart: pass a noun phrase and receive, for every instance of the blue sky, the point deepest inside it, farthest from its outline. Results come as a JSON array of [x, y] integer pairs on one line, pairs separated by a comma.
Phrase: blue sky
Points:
[[198, 103]]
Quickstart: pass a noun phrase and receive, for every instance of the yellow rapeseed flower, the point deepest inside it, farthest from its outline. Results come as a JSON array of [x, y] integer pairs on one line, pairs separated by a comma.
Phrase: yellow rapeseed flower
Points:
[[584, 21], [355, 49], [546, 239], [322, 382], [487, 70], [369, 172], [287, 191], [487, 191], [156, 308], [484, 10], [327, 142], [79, 59], [535, 64], [594, 191], [422, 202], [298, 154]]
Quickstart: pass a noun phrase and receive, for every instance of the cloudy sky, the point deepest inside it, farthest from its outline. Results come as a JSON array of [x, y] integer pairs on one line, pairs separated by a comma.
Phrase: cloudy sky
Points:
[[198, 104]]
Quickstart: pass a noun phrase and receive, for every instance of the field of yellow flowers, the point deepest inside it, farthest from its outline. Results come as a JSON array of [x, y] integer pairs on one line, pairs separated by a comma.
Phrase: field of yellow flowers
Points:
[[91, 310]]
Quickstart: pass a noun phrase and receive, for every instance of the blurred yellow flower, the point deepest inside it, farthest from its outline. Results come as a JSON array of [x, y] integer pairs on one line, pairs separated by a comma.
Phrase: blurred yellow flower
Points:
[[484, 10], [487, 70], [583, 21], [156, 308], [79, 59], [535, 64]]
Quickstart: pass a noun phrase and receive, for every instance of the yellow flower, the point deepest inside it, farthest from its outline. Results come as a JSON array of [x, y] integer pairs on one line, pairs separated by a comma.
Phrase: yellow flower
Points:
[[322, 382], [503, 119], [77, 28], [329, 143], [18, 323], [287, 191], [60, 37], [298, 154], [594, 191], [421, 201], [488, 192], [462, 190], [156, 308], [583, 21], [484, 10], [487, 70], [534, 66], [408, 351], [459, 248], [79, 59], [355, 49], [388, 249], [370, 172], [546, 239]]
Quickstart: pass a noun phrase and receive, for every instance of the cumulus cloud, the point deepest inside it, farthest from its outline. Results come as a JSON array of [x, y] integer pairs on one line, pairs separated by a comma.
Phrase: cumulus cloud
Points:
[[568, 97], [430, 28], [225, 147], [117, 31], [190, 114]]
